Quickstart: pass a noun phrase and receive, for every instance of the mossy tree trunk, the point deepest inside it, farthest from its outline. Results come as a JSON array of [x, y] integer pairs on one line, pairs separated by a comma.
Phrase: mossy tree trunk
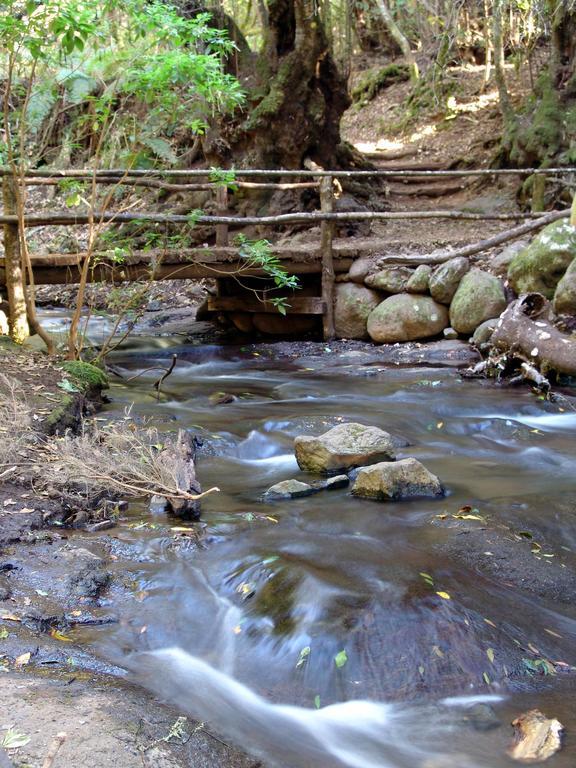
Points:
[[297, 97], [543, 132]]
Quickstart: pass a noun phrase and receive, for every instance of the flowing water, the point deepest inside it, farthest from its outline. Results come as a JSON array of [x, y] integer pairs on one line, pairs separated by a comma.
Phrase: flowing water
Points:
[[311, 631]]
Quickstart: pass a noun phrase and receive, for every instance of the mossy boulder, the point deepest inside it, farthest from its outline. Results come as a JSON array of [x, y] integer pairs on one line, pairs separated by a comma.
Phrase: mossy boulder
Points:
[[446, 278], [565, 294], [541, 265], [406, 317], [390, 279], [419, 281], [480, 296], [88, 378], [352, 306]]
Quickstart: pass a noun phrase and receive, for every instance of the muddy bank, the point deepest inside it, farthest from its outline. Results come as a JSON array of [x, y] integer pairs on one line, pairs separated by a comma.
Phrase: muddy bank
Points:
[[107, 724]]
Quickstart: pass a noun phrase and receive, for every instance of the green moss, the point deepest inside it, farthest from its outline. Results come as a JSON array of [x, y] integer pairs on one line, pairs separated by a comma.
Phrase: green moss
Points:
[[376, 80], [85, 376], [273, 100]]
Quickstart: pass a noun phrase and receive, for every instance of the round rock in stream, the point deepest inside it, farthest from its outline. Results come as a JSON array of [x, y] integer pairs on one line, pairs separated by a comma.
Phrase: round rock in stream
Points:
[[343, 447], [289, 489], [393, 481]]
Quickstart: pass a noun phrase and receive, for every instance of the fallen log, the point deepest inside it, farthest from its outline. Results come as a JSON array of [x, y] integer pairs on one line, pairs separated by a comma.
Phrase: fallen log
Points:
[[482, 245], [525, 329], [178, 457]]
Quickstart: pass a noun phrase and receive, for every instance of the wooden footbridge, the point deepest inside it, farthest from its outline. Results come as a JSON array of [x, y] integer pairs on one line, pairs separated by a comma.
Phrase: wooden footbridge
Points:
[[317, 263]]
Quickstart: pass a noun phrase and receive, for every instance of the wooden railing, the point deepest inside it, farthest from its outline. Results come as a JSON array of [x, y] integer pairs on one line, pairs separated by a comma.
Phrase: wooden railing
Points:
[[12, 271]]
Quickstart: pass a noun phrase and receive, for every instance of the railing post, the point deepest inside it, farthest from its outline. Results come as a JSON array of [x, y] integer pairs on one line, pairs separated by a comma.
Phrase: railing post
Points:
[[327, 236], [15, 278], [538, 192], [222, 210]]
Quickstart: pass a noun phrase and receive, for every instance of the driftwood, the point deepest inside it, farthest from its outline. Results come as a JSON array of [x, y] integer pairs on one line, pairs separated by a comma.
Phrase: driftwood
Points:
[[536, 737], [482, 245], [525, 329], [179, 456]]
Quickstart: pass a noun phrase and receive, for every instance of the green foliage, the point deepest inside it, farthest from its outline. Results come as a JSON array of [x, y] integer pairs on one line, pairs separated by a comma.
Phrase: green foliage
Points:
[[92, 52], [258, 254]]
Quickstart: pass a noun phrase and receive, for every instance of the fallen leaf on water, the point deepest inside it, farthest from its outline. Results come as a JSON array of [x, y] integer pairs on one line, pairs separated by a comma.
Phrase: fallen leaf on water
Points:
[[304, 653], [59, 636], [536, 737], [486, 678], [340, 659], [317, 701], [9, 617], [554, 634], [437, 651], [444, 595], [490, 654], [23, 659], [490, 622]]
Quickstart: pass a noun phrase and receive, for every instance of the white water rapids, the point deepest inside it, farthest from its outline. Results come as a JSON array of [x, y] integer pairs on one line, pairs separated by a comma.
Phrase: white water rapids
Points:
[[352, 734]]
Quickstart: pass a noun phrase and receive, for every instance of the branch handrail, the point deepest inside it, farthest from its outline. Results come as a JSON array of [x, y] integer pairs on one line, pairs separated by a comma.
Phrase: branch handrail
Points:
[[71, 219], [88, 174]]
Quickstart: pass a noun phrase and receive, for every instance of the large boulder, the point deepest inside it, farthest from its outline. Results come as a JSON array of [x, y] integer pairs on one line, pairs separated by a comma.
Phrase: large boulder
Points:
[[565, 294], [343, 447], [406, 317], [390, 279], [351, 309], [420, 279], [499, 264], [540, 266], [361, 268], [393, 481], [446, 278], [479, 297]]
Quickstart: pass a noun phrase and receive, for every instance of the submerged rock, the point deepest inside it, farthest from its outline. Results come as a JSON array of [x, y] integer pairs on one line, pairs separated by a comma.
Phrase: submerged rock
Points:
[[406, 317], [480, 296], [394, 481], [343, 447], [446, 278], [336, 482], [352, 307], [289, 489], [540, 266]]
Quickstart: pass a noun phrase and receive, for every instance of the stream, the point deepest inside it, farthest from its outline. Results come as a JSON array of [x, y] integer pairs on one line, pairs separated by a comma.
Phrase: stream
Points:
[[334, 631]]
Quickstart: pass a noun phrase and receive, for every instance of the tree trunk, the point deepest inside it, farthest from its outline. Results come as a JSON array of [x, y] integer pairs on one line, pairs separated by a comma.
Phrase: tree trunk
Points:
[[371, 34], [301, 98], [399, 37], [15, 275]]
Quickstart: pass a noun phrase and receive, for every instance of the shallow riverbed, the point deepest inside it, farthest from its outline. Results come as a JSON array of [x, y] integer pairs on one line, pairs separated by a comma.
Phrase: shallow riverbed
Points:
[[323, 600]]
